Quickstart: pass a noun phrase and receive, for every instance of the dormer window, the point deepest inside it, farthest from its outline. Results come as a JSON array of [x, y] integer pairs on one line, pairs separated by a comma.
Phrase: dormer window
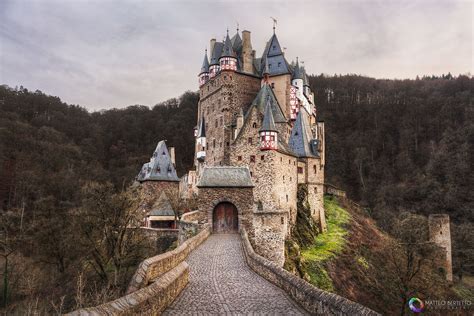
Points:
[[279, 64], [158, 170], [274, 47], [154, 154], [163, 153]]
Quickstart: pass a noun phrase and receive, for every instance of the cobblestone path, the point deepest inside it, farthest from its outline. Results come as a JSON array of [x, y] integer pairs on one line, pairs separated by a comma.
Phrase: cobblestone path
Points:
[[222, 283]]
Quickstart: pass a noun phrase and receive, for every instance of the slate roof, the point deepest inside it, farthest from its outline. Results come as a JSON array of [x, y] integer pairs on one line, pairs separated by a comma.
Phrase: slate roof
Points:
[[162, 207], [228, 51], [225, 177], [160, 167], [264, 96], [301, 136], [268, 123], [297, 71], [216, 53], [274, 55], [205, 64], [236, 43]]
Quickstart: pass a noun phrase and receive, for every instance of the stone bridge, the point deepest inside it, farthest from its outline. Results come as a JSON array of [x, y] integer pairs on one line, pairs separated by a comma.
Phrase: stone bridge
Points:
[[221, 274]]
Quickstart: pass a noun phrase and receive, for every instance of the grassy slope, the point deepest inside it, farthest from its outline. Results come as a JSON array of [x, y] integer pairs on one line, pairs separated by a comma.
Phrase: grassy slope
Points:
[[350, 259]]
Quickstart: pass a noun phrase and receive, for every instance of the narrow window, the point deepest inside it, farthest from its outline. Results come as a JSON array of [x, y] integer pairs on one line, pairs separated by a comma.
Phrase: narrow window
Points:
[[252, 158], [273, 85], [239, 158], [287, 197], [254, 125], [262, 157], [314, 169], [249, 140], [300, 169], [282, 220]]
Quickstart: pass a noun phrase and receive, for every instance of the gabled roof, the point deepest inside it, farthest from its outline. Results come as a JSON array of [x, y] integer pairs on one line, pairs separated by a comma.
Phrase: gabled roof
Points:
[[228, 51], [160, 167], [162, 207], [225, 177], [301, 136], [266, 95], [205, 64], [216, 53], [268, 124], [202, 128]]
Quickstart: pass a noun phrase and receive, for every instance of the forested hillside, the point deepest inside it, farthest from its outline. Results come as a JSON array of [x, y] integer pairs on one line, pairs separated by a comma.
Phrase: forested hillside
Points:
[[394, 145]]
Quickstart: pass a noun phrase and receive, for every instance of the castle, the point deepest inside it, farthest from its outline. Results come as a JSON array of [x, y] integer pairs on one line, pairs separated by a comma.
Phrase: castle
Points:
[[258, 140]]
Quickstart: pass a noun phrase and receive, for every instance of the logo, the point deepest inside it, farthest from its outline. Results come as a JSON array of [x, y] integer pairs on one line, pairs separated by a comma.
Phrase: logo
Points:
[[416, 305]]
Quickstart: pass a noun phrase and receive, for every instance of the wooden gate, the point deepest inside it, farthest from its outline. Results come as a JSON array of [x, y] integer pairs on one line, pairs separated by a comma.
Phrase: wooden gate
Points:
[[224, 218]]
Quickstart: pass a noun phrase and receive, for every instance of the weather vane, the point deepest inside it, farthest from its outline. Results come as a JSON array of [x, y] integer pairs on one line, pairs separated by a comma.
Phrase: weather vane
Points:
[[274, 23], [237, 27]]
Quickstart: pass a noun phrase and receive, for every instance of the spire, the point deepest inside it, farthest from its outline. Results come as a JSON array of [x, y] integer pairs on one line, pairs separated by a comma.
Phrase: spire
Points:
[[268, 124], [228, 51], [297, 73], [202, 128], [205, 64]]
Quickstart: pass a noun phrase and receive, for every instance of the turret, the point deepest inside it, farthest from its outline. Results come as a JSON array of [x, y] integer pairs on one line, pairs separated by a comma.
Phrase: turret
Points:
[[216, 51], [228, 60], [201, 140], [268, 131], [204, 74]]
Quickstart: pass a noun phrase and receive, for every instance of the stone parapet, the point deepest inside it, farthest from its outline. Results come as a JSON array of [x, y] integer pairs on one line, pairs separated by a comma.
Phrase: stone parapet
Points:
[[150, 300], [314, 300], [152, 268]]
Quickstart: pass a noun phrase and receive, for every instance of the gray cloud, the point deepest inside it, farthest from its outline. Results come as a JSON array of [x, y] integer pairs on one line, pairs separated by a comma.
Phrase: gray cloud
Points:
[[103, 54]]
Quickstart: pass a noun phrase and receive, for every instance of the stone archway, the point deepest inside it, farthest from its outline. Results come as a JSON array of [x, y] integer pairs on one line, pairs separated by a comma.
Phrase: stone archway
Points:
[[225, 218]]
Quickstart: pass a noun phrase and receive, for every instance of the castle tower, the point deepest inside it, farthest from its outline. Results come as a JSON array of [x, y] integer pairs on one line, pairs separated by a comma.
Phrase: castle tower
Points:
[[228, 59], [268, 131], [216, 51], [440, 234], [204, 74]]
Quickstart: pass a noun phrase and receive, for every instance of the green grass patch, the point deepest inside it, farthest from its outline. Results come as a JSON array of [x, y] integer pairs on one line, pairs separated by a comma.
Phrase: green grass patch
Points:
[[464, 291], [328, 244]]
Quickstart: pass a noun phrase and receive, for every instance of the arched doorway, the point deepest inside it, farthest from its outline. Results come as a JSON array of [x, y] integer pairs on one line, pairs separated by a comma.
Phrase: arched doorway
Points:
[[225, 218]]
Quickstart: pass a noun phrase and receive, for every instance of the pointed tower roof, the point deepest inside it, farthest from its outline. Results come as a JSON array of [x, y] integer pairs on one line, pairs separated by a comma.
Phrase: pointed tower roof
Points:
[[202, 128], [162, 206], [301, 135], [216, 53], [274, 55], [160, 167], [205, 64], [268, 124], [297, 73], [266, 96], [228, 51], [236, 41], [266, 69]]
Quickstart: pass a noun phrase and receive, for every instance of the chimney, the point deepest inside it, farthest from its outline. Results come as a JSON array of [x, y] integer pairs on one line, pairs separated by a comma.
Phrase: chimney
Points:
[[247, 52], [211, 47], [172, 156]]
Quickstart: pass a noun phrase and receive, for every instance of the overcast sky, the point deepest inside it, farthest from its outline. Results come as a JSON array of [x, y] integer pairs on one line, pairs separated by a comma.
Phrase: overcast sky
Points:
[[104, 54]]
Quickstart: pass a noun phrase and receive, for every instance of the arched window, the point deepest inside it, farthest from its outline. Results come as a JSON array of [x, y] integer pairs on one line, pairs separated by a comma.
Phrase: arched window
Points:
[[254, 125]]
